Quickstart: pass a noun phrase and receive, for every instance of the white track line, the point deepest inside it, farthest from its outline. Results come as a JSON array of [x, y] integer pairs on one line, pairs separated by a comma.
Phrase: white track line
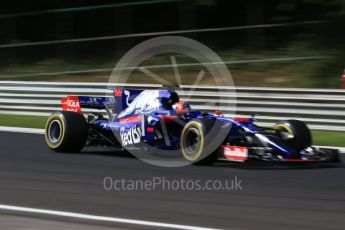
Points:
[[99, 218], [21, 130]]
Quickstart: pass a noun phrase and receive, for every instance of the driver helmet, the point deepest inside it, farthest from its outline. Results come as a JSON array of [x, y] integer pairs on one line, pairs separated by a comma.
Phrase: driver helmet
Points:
[[182, 107]]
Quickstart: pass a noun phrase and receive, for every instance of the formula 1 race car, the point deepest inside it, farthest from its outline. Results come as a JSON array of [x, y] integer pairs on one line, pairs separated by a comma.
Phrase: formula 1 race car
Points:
[[156, 120]]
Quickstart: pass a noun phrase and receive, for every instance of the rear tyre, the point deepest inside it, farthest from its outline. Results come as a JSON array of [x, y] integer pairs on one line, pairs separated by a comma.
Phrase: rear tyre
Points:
[[66, 131], [298, 129], [200, 140]]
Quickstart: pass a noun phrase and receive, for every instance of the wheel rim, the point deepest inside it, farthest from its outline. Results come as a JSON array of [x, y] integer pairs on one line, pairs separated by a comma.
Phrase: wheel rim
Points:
[[283, 127], [54, 131], [192, 141], [286, 129]]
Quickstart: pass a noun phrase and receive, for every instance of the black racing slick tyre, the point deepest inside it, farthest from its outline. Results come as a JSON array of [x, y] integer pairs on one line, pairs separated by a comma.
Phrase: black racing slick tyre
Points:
[[298, 129], [66, 131], [200, 140]]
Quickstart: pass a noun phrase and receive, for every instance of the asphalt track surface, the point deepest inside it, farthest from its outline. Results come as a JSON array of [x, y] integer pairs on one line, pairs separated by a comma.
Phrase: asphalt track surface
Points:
[[272, 197]]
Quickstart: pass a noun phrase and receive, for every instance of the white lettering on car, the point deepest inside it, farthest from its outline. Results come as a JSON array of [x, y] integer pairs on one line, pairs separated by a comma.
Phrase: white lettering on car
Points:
[[73, 103], [132, 136]]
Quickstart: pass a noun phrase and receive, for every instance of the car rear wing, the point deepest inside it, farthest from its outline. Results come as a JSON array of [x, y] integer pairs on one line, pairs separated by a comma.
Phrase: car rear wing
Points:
[[76, 103], [115, 104], [112, 104]]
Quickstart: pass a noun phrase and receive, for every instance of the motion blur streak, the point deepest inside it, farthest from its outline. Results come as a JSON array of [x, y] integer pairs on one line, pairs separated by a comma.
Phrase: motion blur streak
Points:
[[85, 8], [161, 33], [286, 59]]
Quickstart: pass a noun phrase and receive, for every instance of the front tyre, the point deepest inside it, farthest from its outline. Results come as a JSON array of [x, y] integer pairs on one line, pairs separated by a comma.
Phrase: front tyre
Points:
[[66, 131], [200, 139], [300, 134]]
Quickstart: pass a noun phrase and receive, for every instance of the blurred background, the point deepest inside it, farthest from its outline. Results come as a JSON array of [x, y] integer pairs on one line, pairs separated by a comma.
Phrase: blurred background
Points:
[[284, 43], [286, 58]]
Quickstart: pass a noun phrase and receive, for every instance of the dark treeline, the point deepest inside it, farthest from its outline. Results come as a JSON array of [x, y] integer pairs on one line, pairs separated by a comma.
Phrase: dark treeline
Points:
[[166, 16]]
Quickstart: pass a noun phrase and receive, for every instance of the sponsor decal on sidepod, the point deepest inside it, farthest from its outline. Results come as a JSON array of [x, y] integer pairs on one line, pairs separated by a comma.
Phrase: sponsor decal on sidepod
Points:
[[132, 136]]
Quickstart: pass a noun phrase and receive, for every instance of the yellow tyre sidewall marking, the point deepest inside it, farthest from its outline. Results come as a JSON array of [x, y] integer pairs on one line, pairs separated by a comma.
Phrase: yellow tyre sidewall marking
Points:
[[202, 141], [62, 121], [286, 127]]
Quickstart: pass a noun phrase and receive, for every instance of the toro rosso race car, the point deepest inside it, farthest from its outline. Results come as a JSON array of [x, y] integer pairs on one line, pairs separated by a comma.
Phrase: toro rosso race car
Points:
[[154, 120]]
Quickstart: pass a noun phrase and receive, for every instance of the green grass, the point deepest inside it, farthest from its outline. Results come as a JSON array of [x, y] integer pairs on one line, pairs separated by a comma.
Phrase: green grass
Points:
[[328, 138], [22, 121]]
